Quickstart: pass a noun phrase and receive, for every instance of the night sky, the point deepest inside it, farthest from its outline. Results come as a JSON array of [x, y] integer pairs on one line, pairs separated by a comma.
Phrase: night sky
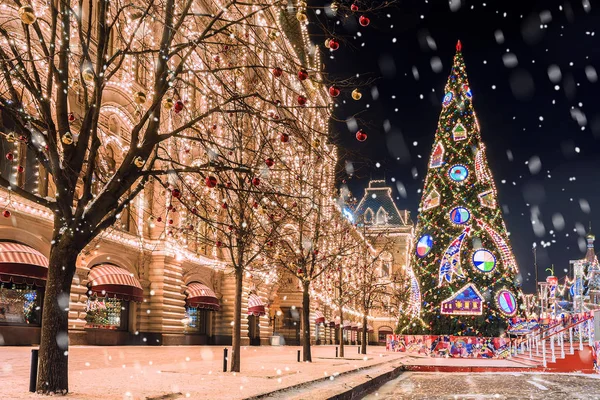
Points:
[[532, 68]]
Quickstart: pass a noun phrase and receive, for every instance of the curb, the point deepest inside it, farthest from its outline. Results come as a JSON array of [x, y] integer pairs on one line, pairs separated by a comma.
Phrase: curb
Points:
[[326, 378], [361, 390]]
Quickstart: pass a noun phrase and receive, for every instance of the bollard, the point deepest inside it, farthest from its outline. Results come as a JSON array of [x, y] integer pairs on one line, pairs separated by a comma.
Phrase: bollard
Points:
[[298, 355], [336, 352], [34, 370], [358, 349], [225, 360]]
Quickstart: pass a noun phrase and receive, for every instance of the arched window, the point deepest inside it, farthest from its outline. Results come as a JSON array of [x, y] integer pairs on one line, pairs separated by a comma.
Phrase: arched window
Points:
[[381, 216], [386, 264], [369, 216]]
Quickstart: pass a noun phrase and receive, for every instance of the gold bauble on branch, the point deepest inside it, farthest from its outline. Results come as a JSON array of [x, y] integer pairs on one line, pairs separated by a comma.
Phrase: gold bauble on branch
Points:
[[11, 137], [327, 43], [168, 103], [273, 35], [356, 94], [67, 138], [27, 14], [334, 6], [88, 75], [139, 161], [302, 5], [316, 143], [139, 97], [300, 16]]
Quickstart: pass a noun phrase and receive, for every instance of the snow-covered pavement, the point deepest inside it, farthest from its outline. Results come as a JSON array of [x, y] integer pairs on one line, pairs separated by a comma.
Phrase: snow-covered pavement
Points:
[[136, 372]]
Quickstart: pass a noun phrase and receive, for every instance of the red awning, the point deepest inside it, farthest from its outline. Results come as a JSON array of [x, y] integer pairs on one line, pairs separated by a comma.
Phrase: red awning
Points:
[[22, 264], [107, 280], [319, 317], [255, 306], [201, 296], [353, 326], [331, 324], [347, 325], [369, 328]]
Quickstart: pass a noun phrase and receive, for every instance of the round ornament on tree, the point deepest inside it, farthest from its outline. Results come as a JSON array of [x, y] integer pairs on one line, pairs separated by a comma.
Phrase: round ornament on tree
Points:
[[361, 136]]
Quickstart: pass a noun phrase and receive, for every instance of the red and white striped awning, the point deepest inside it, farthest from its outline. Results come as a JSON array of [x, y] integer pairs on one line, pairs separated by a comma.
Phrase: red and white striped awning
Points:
[[319, 317], [201, 296], [255, 305], [22, 264], [107, 280]]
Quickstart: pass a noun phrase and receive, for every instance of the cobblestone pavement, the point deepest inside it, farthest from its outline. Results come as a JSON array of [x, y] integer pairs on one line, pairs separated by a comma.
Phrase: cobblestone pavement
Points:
[[430, 385]]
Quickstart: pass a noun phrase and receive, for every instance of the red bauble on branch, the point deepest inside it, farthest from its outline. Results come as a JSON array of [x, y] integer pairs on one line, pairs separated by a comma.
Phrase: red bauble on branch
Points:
[[178, 106], [301, 100], [176, 193], [364, 20], [6, 213], [211, 181], [256, 181], [277, 72], [354, 7], [71, 117], [334, 44], [270, 162], [361, 136], [284, 137], [302, 75], [10, 156], [333, 91]]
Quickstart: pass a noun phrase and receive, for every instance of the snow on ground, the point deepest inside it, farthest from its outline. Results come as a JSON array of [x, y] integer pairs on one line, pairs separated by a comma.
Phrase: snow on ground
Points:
[[136, 372]]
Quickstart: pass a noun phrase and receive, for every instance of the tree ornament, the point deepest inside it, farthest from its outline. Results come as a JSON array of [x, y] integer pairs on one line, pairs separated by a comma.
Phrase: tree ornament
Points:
[[27, 14], [458, 46], [301, 17], [277, 72], [356, 94], [256, 181], [178, 106], [224, 205], [138, 161], [6, 214], [270, 162], [176, 193], [10, 156], [354, 7], [20, 169], [88, 75], [301, 100], [284, 137], [335, 6], [211, 181], [11, 137], [316, 143], [159, 219], [302, 75], [168, 103], [71, 117], [333, 44], [361, 136], [139, 98], [219, 243], [364, 20], [273, 35], [327, 42], [67, 138], [333, 91]]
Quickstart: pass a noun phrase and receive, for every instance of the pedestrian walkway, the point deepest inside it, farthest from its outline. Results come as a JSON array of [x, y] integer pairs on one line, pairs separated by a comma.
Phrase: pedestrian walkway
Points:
[[136, 372]]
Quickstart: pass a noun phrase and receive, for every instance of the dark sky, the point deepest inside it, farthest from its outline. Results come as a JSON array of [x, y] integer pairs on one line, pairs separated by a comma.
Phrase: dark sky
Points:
[[532, 70]]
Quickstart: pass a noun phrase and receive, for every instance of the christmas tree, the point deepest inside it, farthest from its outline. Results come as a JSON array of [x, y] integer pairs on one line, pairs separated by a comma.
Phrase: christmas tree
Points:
[[465, 267]]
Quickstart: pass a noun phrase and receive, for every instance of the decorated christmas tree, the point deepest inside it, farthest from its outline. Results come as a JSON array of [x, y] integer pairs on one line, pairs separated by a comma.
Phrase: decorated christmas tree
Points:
[[465, 267]]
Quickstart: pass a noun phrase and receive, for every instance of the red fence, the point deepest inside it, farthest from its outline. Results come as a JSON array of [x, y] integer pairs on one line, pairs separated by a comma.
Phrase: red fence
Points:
[[450, 346]]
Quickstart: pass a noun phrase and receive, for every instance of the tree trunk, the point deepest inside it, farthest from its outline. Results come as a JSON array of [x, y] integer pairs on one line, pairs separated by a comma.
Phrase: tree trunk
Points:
[[53, 374], [341, 333], [363, 340], [237, 322], [306, 356]]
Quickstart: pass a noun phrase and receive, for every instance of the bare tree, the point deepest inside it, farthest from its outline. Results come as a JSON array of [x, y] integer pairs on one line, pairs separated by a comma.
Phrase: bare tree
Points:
[[186, 71]]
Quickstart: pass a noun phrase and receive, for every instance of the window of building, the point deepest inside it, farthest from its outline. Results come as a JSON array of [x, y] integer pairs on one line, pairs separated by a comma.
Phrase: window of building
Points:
[[196, 320], [386, 264], [20, 304], [106, 313], [369, 216], [381, 216]]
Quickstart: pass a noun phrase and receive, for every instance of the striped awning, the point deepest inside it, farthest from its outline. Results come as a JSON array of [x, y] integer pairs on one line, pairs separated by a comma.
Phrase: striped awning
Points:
[[369, 328], [22, 264], [107, 280], [256, 306], [319, 317], [201, 296]]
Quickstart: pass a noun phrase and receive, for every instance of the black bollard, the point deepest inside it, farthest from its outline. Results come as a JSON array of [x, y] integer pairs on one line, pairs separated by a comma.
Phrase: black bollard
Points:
[[298, 355], [225, 360], [34, 370], [336, 351], [358, 349]]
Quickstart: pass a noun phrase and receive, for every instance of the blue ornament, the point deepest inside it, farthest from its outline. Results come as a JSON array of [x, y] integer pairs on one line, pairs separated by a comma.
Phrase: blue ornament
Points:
[[447, 99]]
